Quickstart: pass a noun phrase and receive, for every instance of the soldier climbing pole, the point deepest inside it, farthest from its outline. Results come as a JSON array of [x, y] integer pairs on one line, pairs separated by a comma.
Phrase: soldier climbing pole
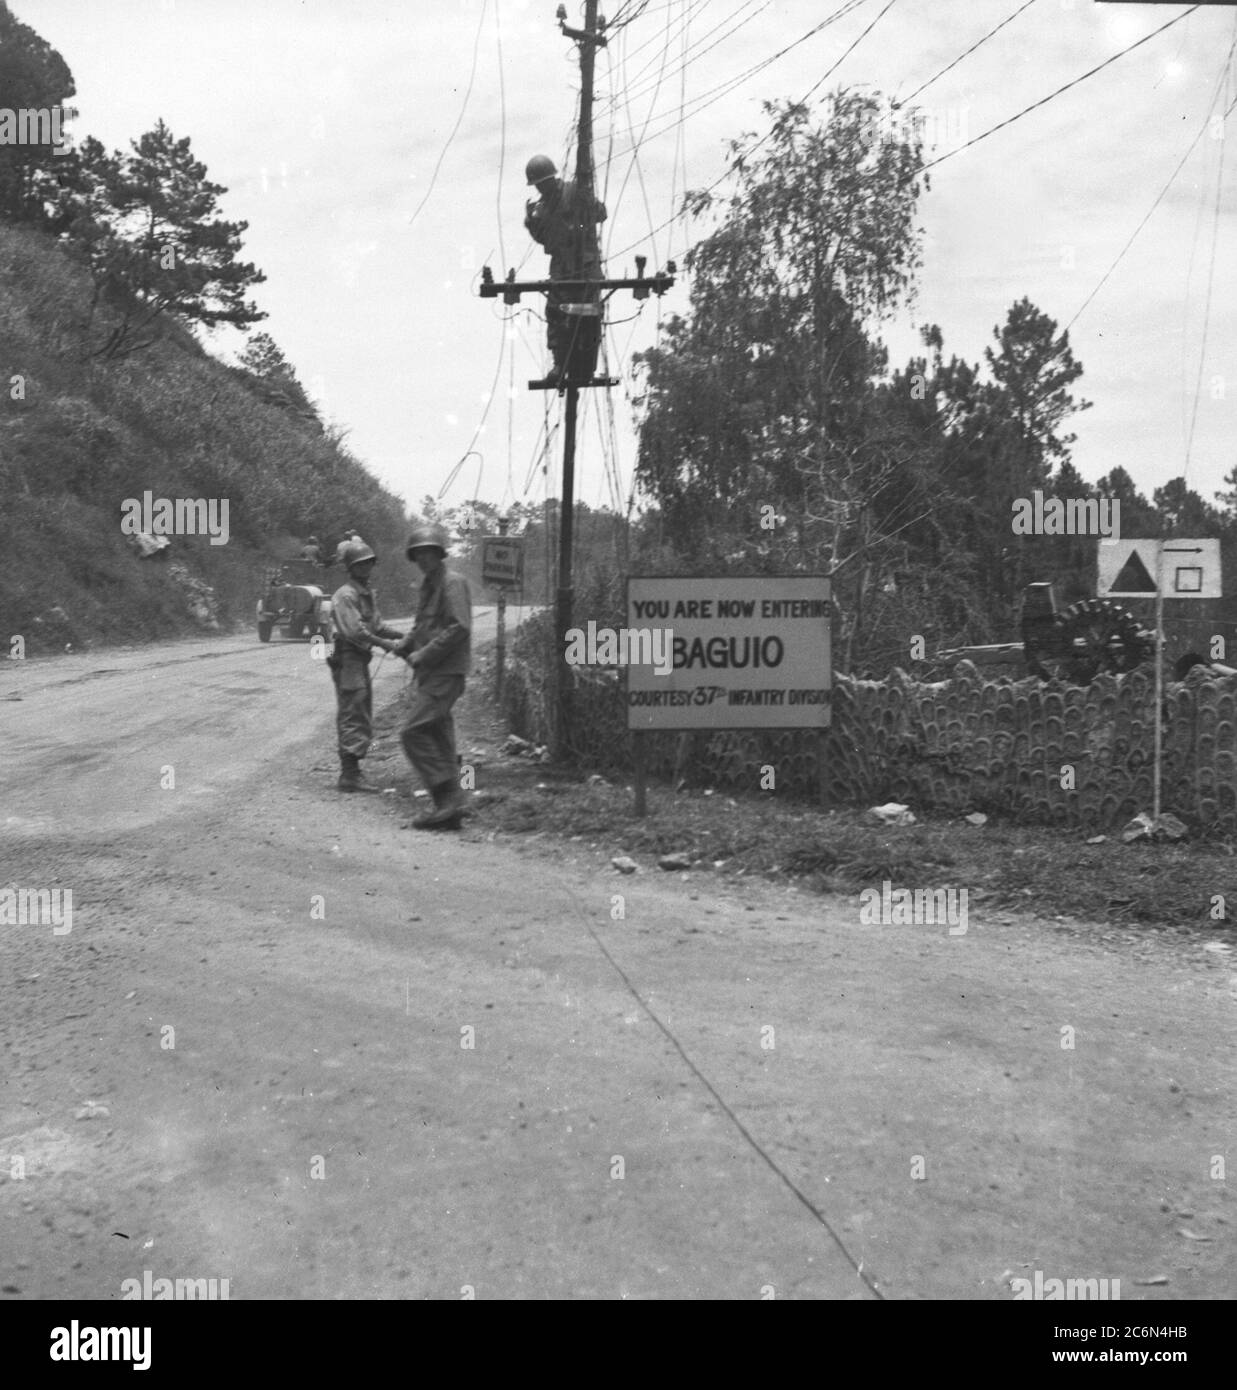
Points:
[[583, 310]]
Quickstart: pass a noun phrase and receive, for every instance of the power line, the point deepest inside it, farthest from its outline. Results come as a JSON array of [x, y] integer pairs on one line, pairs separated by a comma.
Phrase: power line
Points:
[[715, 94], [840, 13], [1043, 101], [635, 156], [683, 19], [1163, 191], [849, 51], [746, 20], [1202, 351], [906, 101], [502, 144], [476, 48]]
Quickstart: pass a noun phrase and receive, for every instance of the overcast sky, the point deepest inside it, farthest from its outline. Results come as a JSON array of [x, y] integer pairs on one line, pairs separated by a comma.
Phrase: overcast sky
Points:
[[326, 121]]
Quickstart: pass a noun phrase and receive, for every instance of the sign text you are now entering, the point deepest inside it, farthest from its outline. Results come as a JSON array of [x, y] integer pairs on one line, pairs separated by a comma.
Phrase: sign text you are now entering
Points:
[[747, 653]]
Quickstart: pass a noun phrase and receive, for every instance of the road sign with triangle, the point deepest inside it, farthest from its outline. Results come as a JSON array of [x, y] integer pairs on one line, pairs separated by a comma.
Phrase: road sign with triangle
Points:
[[1128, 568]]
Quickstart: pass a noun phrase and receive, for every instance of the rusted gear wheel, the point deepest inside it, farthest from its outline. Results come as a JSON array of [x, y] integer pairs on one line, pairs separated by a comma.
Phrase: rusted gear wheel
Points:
[[1092, 636]]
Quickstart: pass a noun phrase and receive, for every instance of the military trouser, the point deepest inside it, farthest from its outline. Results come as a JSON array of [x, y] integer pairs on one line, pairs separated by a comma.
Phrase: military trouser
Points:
[[429, 733], [354, 695], [573, 339]]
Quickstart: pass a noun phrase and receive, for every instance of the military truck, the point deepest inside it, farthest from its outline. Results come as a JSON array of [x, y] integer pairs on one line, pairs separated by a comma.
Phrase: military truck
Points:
[[297, 601]]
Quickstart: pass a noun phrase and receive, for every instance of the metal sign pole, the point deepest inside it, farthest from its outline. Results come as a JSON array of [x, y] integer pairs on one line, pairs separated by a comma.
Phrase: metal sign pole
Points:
[[500, 652], [1159, 682]]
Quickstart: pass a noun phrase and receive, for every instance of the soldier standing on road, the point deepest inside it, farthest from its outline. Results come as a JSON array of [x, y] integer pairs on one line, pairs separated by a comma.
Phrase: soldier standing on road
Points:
[[439, 650], [312, 550], [358, 630]]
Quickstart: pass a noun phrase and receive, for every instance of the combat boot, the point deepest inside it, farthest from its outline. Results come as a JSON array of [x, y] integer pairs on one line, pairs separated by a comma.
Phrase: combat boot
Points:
[[350, 779], [449, 805]]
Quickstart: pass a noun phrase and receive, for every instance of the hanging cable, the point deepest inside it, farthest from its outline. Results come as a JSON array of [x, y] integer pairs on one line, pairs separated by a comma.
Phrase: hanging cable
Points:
[[1163, 191], [502, 126], [1202, 351], [476, 48], [906, 101], [1043, 101], [838, 14]]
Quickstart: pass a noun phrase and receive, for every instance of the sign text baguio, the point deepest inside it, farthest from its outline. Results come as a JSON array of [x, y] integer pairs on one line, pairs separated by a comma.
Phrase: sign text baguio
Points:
[[747, 653]]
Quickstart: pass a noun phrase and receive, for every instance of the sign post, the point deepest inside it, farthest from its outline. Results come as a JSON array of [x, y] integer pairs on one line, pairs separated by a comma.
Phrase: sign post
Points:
[[733, 653], [1170, 569], [1158, 769], [502, 564]]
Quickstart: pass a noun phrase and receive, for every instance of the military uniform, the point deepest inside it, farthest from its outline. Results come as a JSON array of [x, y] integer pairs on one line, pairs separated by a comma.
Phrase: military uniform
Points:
[[357, 622], [442, 638], [565, 225]]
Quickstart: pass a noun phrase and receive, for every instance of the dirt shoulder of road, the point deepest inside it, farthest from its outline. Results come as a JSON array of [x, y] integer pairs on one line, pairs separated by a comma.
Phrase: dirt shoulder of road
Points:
[[1188, 888]]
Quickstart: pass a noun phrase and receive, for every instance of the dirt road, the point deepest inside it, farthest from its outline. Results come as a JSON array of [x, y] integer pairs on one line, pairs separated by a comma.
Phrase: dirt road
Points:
[[289, 1043]]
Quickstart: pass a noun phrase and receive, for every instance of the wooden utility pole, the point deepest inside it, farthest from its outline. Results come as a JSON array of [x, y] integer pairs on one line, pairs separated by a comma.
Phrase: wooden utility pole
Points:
[[587, 315], [500, 656], [587, 257]]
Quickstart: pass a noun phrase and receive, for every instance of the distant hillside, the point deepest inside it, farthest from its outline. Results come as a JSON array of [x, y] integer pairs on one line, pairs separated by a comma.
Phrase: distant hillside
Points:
[[80, 436]]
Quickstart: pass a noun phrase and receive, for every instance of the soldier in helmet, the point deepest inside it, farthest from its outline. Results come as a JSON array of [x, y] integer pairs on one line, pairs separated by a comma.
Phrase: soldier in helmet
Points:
[[438, 650], [358, 630], [562, 220]]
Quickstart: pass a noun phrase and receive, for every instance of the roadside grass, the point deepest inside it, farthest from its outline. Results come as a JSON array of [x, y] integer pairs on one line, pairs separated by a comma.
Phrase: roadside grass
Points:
[[1001, 865]]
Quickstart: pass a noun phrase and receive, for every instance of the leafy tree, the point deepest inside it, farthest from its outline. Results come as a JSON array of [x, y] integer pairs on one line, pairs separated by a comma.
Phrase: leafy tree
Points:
[[762, 441], [146, 222], [752, 398], [1184, 513], [1034, 370], [1001, 438], [33, 76], [1138, 516], [272, 377]]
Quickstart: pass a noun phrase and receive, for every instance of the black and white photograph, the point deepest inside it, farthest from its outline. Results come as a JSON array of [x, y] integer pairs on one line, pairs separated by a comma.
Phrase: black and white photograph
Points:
[[618, 665]]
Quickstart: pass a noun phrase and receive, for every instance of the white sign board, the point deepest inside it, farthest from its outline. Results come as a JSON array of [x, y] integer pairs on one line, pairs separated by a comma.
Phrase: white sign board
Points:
[[746, 653], [1129, 568], [502, 560]]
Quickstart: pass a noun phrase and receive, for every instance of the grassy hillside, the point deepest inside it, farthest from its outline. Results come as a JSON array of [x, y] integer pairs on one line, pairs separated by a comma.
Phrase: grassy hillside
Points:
[[79, 436]]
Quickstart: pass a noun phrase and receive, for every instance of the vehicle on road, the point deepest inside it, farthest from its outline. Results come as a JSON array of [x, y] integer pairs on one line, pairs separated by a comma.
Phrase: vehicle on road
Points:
[[296, 601]]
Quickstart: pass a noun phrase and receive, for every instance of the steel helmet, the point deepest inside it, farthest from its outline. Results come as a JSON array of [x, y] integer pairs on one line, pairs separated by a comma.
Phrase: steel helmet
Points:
[[354, 552], [539, 167], [427, 537]]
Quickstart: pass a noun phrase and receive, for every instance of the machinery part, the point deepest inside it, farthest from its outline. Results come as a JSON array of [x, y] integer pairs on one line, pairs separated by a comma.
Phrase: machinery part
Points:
[[428, 537], [1091, 636]]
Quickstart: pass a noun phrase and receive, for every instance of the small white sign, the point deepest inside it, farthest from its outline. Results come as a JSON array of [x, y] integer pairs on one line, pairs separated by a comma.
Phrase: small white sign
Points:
[[1132, 568], [502, 561]]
